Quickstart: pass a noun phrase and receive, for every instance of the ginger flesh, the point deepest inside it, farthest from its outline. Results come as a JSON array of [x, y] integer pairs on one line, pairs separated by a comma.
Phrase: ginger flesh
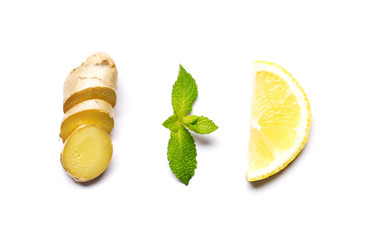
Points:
[[96, 117], [87, 153], [106, 94], [92, 111]]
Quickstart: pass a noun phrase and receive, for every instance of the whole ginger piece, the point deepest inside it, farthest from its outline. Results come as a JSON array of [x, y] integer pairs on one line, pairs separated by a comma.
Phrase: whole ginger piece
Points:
[[89, 98]]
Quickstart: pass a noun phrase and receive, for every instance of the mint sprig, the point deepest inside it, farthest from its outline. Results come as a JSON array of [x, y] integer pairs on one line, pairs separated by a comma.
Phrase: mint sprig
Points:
[[181, 151]]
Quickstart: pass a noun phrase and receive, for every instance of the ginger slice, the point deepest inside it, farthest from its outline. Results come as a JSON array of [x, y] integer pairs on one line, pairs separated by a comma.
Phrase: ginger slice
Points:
[[96, 112], [86, 153], [94, 79]]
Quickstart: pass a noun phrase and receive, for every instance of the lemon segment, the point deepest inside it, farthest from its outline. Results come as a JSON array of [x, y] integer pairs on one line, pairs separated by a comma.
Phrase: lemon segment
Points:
[[280, 121]]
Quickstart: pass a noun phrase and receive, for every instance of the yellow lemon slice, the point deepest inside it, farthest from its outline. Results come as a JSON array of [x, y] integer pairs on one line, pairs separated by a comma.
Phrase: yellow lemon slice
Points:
[[280, 121]]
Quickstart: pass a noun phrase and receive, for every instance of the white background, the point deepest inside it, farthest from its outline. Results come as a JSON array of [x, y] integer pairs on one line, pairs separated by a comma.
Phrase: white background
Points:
[[321, 195]]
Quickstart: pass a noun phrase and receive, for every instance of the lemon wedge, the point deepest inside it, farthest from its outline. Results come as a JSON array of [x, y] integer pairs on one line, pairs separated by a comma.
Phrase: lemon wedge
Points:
[[280, 121]]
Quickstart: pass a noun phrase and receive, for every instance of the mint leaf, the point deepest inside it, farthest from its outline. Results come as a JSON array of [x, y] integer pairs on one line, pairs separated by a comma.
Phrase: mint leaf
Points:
[[181, 154], [172, 123], [201, 125], [181, 151], [184, 93]]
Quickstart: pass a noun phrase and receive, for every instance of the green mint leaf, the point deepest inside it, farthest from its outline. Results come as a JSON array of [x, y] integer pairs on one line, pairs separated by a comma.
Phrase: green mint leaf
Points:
[[172, 123], [201, 125], [181, 154], [184, 93]]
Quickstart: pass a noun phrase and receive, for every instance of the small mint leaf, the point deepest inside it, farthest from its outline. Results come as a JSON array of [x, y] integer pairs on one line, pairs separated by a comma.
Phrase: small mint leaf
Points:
[[184, 93], [181, 154], [172, 123], [201, 125]]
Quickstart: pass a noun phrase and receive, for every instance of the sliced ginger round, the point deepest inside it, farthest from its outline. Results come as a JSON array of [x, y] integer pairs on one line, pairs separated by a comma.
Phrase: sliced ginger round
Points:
[[94, 79], [86, 153], [93, 111], [280, 121]]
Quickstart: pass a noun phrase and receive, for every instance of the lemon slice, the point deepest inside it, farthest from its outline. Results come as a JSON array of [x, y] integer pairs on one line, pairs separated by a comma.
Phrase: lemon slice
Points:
[[280, 121]]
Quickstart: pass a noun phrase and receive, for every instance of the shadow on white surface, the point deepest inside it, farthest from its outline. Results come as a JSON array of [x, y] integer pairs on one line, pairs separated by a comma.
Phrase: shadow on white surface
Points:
[[202, 139]]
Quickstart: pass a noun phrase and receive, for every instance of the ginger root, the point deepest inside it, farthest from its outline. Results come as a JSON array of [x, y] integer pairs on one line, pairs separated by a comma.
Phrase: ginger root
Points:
[[94, 79], [92, 111], [89, 98], [86, 153]]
